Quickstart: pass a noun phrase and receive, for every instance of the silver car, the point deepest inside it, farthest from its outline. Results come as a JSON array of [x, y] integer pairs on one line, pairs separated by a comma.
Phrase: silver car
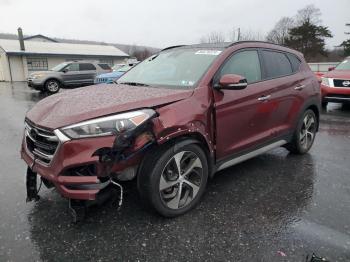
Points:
[[75, 73]]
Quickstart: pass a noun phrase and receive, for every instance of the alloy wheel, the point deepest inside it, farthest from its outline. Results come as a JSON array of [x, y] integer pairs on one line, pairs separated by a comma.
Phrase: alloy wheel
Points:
[[181, 179], [52, 86], [307, 132]]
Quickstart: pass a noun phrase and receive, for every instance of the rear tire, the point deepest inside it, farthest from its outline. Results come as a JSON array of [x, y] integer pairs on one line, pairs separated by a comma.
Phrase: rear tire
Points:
[[172, 181], [52, 86], [305, 133]]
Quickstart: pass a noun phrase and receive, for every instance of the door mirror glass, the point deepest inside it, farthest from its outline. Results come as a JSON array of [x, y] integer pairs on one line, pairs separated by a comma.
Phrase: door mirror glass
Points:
[[331, 68], [232, 82]]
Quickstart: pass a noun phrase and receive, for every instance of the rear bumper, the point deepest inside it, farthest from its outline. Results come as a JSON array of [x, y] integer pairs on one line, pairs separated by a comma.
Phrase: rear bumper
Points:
[[69, 156], [335, 94]]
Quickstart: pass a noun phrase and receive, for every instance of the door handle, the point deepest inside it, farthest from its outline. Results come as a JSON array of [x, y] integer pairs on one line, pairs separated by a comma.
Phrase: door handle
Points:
[[300, 87], [264, 98]]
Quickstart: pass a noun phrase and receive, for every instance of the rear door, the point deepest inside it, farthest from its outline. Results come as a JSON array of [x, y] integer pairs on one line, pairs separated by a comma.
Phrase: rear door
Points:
[[281, 73], [87, 73], [242, 116]]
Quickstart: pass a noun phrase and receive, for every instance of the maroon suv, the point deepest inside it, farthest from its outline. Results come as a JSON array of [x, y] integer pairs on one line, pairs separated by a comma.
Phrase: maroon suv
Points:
[[172, 122]]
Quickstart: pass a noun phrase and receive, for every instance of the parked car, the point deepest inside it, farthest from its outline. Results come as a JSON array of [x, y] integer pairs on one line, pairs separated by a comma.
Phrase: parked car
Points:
[[75, 73], [118, 71], [335, 84], [174, 121]]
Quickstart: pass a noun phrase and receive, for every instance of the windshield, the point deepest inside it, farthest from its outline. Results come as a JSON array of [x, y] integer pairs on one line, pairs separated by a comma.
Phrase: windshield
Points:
[[345, 65], [180, 68], [116, 67], [124, 68], [59, 67]]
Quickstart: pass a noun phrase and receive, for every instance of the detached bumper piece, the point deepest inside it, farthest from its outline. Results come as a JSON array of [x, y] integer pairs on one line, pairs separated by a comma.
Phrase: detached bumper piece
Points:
[[31, 184], [79, 208]]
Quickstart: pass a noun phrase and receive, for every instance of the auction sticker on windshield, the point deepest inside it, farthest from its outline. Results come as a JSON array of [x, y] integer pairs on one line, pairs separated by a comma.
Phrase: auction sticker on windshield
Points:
[[208, 52]]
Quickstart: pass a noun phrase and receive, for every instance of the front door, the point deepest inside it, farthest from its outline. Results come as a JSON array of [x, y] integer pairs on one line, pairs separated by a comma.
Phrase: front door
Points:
[[242, 116]]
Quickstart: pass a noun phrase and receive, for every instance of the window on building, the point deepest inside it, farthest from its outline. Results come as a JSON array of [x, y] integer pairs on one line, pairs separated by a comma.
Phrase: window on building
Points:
[[107, 61], [37, 64]]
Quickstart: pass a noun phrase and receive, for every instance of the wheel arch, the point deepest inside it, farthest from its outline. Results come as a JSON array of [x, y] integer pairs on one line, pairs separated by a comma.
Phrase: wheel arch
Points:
[[53, 78], [316, 110], [183, 140]]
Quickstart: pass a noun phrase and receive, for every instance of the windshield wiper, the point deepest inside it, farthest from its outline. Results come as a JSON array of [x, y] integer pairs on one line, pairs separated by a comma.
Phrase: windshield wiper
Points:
[[133, 84]]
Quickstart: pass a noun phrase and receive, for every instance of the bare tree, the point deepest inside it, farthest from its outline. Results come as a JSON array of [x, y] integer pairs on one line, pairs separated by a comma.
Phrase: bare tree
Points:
[[141, 53], [280, 32], [250, 35], [310, 14], [213, 37]]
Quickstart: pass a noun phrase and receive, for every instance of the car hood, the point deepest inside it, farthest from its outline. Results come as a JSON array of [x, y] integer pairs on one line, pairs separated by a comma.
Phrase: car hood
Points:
[[111, 74], [90, 102], [342, 74], [44, 73]]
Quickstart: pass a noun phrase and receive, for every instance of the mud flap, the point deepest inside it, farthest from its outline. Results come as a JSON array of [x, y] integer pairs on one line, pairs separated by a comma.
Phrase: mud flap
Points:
[[31, 184]]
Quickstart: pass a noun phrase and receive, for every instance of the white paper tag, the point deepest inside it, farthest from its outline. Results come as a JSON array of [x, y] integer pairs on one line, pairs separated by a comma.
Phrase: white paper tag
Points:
[[208, 52]]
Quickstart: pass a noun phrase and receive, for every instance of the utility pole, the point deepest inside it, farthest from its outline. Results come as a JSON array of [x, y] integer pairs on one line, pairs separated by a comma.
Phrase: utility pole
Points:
[[239, 34], [347, 33]]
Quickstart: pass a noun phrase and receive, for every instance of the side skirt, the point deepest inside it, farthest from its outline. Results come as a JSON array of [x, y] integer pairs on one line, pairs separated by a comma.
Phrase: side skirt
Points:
[[251, 154]]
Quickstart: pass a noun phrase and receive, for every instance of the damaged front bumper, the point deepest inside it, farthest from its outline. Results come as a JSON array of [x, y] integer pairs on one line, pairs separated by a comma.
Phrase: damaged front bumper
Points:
[[77, 172]]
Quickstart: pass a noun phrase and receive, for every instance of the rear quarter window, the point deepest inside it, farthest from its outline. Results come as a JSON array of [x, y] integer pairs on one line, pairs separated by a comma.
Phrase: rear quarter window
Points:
[[295, 62], [276, 64], [105, 66]]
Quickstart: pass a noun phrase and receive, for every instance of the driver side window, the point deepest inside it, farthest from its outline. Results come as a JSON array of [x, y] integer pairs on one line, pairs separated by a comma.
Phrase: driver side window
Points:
[[72, 67], [244, 63]]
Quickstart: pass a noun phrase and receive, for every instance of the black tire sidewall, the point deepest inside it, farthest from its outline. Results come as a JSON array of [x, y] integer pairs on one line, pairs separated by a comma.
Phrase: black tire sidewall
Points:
[[154, 179]]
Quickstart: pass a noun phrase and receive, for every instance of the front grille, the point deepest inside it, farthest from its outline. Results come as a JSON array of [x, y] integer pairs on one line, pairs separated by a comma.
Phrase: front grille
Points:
[[41, 143], [341, 83]]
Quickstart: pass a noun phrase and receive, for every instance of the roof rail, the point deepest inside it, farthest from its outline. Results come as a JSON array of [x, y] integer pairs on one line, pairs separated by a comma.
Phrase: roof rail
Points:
[[252, 41], [171, 47]]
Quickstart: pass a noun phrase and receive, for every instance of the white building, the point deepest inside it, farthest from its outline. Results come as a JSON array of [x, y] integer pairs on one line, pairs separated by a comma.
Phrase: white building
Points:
[[42, 53]]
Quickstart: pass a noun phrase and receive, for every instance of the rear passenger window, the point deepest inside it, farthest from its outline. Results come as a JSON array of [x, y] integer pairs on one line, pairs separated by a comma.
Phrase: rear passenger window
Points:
[[105, 66], [294, 61], [276, 64], [244, 63], [86, 66]]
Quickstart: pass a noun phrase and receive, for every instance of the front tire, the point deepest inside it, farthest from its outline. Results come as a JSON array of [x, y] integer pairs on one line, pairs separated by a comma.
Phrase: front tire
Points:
[[304, 134], [172, 181], [52, 86]]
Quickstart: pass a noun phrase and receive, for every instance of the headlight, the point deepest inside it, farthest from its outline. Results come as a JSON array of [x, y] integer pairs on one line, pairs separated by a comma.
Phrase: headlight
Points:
[[36, 76], [108, 125], [325, 81]]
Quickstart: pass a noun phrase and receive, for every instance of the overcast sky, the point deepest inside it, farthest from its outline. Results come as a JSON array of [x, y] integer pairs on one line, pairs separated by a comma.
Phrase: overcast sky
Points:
[[159, 23]]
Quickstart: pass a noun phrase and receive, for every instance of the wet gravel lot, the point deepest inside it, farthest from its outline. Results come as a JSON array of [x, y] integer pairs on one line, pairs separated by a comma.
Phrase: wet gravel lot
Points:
[[275, 207]]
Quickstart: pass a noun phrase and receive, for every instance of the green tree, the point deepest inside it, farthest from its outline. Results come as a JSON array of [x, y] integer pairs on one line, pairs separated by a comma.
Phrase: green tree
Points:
[[346, 45], [309, 39]]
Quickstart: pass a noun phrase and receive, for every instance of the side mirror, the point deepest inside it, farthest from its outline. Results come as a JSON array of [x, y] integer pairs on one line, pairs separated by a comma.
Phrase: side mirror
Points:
[[65, 70], [331, 68], [232, 82]]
